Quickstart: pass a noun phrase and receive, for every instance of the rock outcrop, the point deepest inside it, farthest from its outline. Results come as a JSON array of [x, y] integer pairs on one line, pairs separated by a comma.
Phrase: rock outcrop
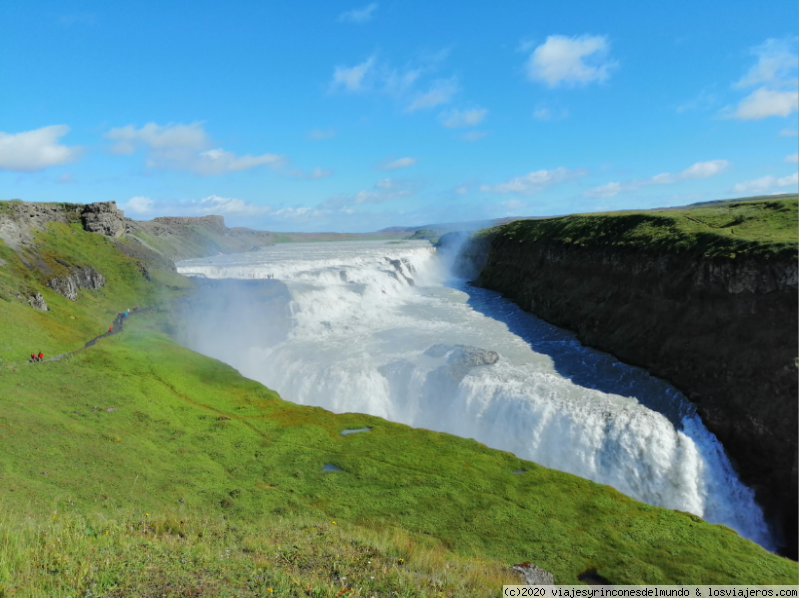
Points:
[[79, 278], [104, 218], [36, 301], [722, 330], [533, 575]]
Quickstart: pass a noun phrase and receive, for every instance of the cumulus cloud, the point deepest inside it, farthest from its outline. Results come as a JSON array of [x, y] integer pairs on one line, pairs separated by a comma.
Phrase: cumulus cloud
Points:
[[359, 15], [699, 170], [792, 158], [184, 147], [703, 170], [440, 92], [789, 133], [763, 103], [138, 205], [456, 119], [775, 74], [776, 63], [571, 60], [534, 182], [399, 163], [384, 190], [352, 78], [36, 150], [767, 183]]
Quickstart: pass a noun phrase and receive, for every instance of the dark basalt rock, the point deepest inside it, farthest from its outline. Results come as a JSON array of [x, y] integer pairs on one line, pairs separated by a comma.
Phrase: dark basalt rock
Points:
[[722, 330]]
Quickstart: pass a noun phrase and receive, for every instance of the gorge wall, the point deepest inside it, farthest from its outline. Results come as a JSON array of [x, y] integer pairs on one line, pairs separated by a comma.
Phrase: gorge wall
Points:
[[721, 329]]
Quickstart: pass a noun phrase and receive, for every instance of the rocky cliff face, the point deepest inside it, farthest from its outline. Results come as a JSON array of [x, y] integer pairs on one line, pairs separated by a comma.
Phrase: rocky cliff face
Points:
[[104, 218], [722, 330], [79, 278]]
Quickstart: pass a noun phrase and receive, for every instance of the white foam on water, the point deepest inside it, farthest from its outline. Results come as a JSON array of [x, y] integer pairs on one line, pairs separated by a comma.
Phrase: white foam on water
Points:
[[365, 313]]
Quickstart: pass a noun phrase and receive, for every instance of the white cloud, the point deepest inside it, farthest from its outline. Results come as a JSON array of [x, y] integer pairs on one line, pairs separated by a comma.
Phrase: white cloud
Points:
[[792, 158], [319, 134], [456, 119], [352, 78], [766, 183], [775, 65], [384, 190], [775, 72], [399, 163], [789, 133], [359, 15], [699, 170], [571, 60], [218, 161], [184, 147], [138, 205], [214, 204], [534, 182], [440, 92], [36, 150], [169, 137], [474, 135], [461, 190], [703, 170], [609, 190], [763, 103]]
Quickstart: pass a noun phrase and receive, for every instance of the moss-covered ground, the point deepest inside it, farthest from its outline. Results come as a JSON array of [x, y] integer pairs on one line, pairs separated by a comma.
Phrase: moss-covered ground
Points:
[[139, 468], [763, 228]]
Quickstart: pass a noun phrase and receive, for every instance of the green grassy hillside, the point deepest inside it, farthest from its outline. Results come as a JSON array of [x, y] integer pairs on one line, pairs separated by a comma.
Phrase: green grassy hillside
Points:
[[137, 467], [764, 228]]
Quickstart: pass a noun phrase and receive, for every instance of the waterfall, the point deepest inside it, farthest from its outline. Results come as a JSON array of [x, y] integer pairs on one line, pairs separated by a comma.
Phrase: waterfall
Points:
[[382, 328]]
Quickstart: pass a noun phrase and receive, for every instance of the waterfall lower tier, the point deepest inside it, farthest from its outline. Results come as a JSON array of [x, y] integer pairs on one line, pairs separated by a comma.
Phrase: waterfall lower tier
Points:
[[379, 328]]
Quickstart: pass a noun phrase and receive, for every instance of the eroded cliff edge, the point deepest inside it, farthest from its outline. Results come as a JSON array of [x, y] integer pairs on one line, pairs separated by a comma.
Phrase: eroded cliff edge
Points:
[[705, 299]]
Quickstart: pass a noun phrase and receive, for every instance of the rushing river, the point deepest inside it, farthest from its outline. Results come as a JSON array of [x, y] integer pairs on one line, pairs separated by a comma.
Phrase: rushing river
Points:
[[381, 328]]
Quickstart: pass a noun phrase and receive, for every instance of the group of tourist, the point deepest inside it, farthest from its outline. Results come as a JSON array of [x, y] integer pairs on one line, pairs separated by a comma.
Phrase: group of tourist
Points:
[[38, 357]]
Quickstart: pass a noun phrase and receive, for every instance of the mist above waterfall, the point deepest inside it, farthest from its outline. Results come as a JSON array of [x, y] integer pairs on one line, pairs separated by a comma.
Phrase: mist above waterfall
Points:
[[381, 328]]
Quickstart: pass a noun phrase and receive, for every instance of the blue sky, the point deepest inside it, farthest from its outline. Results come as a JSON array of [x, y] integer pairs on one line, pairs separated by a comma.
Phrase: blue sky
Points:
[[342, 116]]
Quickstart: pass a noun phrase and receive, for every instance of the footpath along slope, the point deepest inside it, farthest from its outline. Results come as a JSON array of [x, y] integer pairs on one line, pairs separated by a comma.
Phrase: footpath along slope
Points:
[[180, 459]]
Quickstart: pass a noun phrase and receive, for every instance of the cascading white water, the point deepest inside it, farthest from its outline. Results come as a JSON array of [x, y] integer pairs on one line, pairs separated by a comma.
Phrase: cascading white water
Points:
[[379, 328]]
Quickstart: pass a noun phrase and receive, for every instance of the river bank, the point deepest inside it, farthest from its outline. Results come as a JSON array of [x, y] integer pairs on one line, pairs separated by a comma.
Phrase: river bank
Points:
[[710, 307]]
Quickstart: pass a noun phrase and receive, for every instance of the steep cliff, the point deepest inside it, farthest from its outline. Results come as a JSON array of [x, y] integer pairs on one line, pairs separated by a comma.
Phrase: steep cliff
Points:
[[705, 298]]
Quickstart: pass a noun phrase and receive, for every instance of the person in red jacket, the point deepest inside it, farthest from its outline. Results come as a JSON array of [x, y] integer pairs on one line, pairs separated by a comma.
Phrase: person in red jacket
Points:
[[41, 355], [33, 356]]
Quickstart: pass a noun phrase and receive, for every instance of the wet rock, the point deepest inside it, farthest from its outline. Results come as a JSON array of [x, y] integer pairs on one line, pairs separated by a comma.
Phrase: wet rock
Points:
[[462, 358]]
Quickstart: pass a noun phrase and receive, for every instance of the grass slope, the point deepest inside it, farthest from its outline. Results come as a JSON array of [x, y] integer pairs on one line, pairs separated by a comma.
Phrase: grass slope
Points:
[[137, 467], [760, 228]]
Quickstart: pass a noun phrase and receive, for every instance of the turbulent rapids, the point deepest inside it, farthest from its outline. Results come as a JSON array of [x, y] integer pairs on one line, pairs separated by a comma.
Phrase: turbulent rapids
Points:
[[383, 329]]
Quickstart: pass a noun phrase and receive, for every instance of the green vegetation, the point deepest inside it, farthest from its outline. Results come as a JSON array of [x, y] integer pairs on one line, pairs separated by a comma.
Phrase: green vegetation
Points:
[[761, 228], [137, 467]]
